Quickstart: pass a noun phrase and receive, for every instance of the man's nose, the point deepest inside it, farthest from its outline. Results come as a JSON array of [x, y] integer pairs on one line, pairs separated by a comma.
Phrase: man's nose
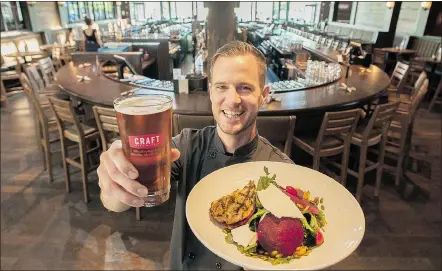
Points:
[[232, 96]]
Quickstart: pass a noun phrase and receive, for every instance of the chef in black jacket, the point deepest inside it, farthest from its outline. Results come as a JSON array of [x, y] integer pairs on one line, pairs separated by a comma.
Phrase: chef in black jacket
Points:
[[237, 90]]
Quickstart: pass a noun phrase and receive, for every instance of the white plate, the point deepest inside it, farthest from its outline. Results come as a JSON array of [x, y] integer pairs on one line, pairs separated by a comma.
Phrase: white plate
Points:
[[343, 233]]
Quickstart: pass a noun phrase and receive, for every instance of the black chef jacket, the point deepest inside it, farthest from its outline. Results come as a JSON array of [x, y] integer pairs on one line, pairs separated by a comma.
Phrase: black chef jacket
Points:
[[202, 152]]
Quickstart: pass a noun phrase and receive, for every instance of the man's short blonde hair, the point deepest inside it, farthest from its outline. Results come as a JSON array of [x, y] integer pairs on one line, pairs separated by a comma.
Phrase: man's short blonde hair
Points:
[[239, 48]]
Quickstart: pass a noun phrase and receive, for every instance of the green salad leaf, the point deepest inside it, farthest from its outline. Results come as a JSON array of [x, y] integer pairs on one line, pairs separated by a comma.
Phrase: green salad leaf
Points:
[[265, 181], [307, 226], [322, 221]]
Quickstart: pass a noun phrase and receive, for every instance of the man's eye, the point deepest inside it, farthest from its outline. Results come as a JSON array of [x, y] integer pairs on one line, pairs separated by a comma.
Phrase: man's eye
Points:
[[221, 87], [245, 88]]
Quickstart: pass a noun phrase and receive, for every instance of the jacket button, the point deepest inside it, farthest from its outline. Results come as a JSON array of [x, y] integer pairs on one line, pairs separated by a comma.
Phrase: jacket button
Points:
[[218, 266], [212, 154], [191, 256]]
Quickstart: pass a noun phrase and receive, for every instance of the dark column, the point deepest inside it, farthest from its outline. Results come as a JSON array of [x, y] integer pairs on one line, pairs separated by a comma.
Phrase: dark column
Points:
[[220, 25], [387, 39]]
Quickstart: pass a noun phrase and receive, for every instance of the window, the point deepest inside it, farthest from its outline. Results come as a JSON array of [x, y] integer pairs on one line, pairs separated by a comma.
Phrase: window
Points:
[[201, 11], [244, 12], [302, 12], [153, 10], [91, 10], [173, 11], [74, 16], [165, 10], [264, 11], [283, 10], [97, 11], [184, 10], [109, 7], [342, 12], [82, 7], [138, 12]]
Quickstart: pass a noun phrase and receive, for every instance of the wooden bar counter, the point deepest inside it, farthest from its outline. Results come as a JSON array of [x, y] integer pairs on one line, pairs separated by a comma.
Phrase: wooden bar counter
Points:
[[102, 90]]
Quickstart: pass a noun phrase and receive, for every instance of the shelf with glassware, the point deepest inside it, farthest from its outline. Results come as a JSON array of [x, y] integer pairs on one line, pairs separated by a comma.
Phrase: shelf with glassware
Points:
[[299, 64]]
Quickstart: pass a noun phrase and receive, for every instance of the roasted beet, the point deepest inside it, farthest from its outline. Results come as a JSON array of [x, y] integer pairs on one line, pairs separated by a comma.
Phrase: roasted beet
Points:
[[281, 234]]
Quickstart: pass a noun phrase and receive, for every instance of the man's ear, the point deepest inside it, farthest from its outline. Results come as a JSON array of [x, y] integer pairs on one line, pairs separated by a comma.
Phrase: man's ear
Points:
[[264, 94], [210, 91]]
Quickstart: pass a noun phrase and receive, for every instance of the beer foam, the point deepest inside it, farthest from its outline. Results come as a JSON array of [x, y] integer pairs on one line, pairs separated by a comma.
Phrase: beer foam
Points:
[[143, 105]]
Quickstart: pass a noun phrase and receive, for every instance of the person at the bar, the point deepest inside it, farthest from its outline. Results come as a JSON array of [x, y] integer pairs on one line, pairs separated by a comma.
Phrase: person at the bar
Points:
[[92, 37], [237, 90]]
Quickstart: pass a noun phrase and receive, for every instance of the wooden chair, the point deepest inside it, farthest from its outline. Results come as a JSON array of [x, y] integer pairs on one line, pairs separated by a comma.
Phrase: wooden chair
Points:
[[398, 78], [334, 138], [46, 126], [4, 96], [407, 98], [56, 58], [369, 135], [106, 118], [12, 75], [71, 129], [379, 58], [180, 121], [436, 98], [278, 130], [414, 101], [47, 69], [399, 131]]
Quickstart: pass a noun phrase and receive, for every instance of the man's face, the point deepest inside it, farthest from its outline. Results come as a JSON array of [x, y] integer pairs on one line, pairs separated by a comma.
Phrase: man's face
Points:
[[235, 93]]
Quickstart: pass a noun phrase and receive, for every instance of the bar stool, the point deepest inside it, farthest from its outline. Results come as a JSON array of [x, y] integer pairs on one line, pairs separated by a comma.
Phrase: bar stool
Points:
[[398, 131], [369, 135], [398, 78], [106, 118], [379, 58], [46, 126], [72, 130], [334, 138], [47, 69], [407, 99]]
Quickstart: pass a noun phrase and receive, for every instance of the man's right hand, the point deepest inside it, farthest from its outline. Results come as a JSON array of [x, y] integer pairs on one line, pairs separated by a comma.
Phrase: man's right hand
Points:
[[117, 179]]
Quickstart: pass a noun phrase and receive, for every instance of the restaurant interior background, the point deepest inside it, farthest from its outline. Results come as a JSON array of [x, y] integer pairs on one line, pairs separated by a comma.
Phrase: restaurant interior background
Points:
[[53, 219]]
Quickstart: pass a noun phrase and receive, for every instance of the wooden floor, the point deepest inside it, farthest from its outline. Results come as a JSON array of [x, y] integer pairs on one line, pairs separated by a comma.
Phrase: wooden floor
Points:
[[43, 227]]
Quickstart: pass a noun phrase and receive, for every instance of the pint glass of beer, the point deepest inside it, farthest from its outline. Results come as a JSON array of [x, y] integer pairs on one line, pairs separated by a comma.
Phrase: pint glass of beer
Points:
[[145, 124]]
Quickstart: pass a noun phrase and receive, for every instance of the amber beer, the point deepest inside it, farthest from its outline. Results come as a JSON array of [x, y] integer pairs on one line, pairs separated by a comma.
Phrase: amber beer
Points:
[[145, 124]]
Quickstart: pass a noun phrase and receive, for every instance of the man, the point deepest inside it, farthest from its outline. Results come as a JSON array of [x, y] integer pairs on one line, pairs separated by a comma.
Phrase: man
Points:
[[237, 90]]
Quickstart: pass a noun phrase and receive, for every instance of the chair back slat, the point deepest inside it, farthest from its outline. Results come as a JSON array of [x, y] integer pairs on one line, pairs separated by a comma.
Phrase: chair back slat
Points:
[[108, 119], [340, 122], [110, 127]]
